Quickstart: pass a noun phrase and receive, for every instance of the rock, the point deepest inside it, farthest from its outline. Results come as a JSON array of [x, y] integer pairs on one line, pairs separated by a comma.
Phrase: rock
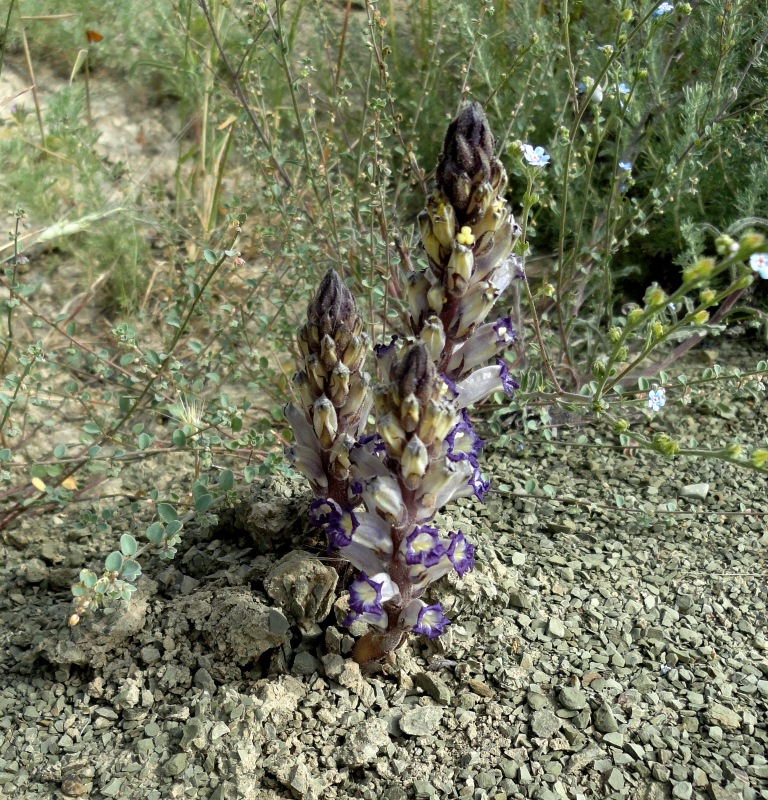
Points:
[[556, 628], [303, 587], [364, 742], [421, 721], [604, 719], [175, 765], [723, 716], [579, 760], [544, 723], [682, 790], [695, 491], [436, 688], [518, 598], [572, 698]]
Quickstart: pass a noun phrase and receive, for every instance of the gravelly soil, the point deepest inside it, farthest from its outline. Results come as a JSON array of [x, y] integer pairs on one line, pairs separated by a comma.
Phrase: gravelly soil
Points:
[[595, 651]]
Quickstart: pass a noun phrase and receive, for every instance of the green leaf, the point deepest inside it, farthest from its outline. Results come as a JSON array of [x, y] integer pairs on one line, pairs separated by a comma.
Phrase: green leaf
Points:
[[172, 528], [113, 562], [5, 454], [210, 256], [178, 438], [131, 570], [166, 512], [226, 480], [59, 451], [249, 473], [128, 545], [145, 440], [155, 533], [202, 503]]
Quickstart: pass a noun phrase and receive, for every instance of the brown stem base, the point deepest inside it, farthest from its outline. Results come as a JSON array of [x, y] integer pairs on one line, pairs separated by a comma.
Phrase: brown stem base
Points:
[[373, 647]]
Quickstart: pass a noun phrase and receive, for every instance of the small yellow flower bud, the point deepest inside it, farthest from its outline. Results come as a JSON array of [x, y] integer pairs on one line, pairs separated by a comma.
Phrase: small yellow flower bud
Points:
[[642, 74], [724, 245], [634, 316], [665, 445], [614, 335], [750, 243], [620, 426], [657, 329], [465, 236], [698, 271], [598, 369], [759, 458], [706, 297], [734, 450], [73, 620], [627, 15], [655, 296], [622, 354], [700, 318]]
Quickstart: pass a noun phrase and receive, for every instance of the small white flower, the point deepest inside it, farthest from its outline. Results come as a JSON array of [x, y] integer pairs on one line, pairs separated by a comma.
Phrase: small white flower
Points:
[[625, 166], [759, 264], [657, 397], [664, 8], [536, 157]]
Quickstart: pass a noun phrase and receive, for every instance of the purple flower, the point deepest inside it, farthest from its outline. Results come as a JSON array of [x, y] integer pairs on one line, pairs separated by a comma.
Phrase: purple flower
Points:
[[366, 595], [463, 443], [508, 384], [423, 546], [321, 512], [479, 485], [340, 531], [461, 553], [450, 384], [385, 350], [424, 619]]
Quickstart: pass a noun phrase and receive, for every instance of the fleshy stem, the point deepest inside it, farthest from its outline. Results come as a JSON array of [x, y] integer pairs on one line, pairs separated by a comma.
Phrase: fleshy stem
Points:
[[12, 300]]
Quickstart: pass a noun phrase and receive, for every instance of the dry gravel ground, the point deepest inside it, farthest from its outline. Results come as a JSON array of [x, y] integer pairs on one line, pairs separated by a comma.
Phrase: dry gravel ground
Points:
[[595, 652]]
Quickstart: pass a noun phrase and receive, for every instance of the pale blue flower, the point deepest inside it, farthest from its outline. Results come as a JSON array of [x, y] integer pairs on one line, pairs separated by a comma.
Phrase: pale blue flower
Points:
[[535, 156], [625, 166], [664, 8], [657, 397], [623, 88], [759, 264]]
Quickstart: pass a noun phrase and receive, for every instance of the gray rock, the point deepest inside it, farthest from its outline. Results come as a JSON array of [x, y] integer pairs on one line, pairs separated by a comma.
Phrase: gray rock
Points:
[[303, 587], [364, 743], [723, 716], [579, 760], [556, 628], [175, 765], [695, 491], [421, 720], [436, 688], [544, 723], [572, 698], [682, 790], [604, 719]]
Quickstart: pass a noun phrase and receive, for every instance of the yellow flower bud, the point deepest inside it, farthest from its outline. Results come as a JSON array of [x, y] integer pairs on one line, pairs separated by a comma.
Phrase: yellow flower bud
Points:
[[699, 271], [734, 451], [725, 245], [657, 329], [665, 445], [622, 354], [700, 317], [614, 335], [620, 426], [465, 236], [634, 316], [759, 458], [706, 297], [655, 296]]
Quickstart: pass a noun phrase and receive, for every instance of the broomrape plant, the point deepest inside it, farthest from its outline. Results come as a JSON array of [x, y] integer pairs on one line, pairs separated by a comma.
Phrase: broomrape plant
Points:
[[378, 493]]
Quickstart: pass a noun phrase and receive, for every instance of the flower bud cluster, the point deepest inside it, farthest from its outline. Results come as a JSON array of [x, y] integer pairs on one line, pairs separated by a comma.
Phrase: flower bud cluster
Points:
[[379, 494], [333, 391], [424, 455], [468, 234]]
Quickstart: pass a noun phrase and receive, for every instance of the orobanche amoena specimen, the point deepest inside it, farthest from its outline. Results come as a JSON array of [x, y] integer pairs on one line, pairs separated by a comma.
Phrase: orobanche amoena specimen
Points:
[[378, 492]]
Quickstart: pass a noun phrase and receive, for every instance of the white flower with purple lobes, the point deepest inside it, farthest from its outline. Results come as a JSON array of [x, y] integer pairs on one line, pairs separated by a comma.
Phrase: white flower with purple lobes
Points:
[[426, 620]]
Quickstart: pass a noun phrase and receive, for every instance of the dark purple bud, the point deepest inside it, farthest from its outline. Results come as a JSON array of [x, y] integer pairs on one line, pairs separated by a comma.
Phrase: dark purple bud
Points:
[[467, 157], [415, 374], [333, 306]]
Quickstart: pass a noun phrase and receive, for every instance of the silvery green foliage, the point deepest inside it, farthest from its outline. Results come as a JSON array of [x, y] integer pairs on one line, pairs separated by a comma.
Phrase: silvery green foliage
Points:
[[379, 493]]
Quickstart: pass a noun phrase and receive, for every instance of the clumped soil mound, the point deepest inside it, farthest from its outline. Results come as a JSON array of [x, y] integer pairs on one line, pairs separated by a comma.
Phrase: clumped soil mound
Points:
[[596, 651]]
